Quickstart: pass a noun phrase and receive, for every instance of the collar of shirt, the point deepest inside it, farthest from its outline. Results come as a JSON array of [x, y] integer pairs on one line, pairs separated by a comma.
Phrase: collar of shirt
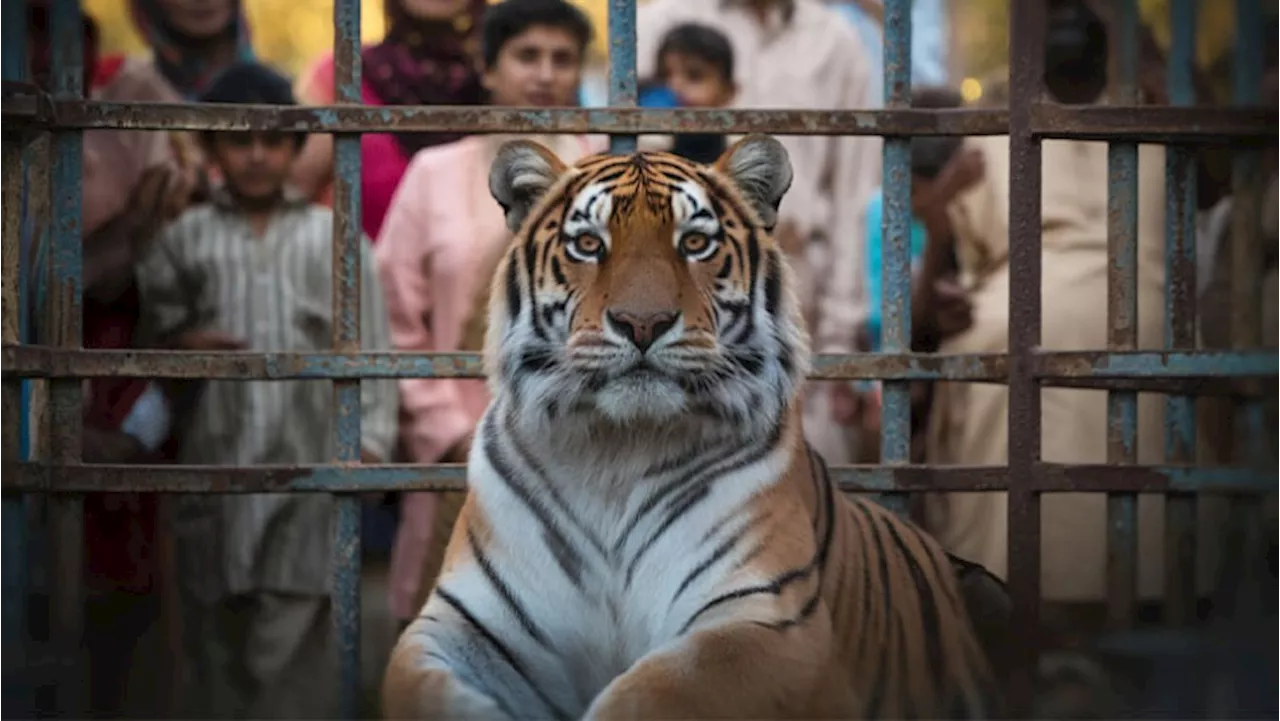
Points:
[[291, 200], [778, 16]]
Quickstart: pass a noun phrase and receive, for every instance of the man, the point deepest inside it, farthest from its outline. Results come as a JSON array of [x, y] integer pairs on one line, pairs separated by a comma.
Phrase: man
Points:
[[802, 54], [969, 422]]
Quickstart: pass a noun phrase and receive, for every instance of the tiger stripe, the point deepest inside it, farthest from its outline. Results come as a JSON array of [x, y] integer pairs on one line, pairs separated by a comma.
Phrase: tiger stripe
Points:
[[659, 541]]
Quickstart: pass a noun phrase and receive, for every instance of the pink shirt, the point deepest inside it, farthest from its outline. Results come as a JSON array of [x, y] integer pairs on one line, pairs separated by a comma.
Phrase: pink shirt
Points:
[[382, 162], [440, 243]]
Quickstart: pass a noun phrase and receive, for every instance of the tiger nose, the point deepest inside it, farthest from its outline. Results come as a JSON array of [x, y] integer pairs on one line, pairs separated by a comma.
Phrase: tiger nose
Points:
[[642, 328]]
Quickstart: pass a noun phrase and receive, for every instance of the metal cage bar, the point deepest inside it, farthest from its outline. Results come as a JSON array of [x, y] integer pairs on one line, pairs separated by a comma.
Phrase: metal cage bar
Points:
[[16, 396], [66, 513], [1026, 43], [1025, 369], [1180, 320], [895, 269], [1122, 322], [1047, 120], [347, 238]]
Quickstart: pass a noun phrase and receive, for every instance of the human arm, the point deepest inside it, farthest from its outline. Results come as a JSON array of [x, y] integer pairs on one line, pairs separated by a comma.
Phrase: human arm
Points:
[[313, 169], [939, 307], [379, 403], [434, 419]]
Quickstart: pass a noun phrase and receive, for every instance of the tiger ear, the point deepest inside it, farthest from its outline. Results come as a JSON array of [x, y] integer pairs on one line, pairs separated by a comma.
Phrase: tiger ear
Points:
[[522, 172], [760, 167]]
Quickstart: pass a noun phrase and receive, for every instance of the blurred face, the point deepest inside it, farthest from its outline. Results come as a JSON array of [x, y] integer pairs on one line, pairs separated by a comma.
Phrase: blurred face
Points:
[[199, 19], [695, 82], [540, 67], [254, 165], [433, 9]]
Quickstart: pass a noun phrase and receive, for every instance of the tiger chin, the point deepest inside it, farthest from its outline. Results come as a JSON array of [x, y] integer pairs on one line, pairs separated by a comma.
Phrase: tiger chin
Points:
[[646, 533]]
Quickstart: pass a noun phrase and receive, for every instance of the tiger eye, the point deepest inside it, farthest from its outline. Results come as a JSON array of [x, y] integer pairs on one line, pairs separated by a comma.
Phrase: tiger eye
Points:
[[586, 246], [694, 244]]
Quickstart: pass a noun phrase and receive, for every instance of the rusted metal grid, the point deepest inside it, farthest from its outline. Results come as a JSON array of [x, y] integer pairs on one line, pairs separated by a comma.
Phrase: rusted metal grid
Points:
[[1179, 369]]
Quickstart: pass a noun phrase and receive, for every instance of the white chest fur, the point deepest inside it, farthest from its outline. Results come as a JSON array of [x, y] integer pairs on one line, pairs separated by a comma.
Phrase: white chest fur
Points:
[[582, 571]]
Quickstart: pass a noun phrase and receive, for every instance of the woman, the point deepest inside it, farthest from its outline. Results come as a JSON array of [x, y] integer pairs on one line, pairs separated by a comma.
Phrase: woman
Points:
[[440, 243], [427, 58], [190, 44]]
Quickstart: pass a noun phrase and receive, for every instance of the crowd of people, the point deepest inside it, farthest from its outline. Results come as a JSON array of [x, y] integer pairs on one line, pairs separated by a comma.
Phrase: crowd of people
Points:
[[222, 241]]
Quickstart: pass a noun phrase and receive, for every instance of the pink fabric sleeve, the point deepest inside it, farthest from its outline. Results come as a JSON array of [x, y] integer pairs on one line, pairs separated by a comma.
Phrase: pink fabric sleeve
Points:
[[432, 417], [314, 85]]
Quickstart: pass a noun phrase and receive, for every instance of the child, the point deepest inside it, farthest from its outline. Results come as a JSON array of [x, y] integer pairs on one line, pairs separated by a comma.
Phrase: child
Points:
[[251, 269], [695, 69]]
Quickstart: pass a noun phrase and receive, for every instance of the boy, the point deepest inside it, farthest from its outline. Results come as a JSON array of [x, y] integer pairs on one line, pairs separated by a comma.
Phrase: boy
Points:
[[252, 270], [695, 67]]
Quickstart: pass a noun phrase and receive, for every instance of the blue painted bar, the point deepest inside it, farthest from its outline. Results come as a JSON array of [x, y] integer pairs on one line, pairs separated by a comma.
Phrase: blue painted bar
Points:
[[1180, 319], [65, 419], [895, 301], [622, 67], [347, 235], [1122, 321], [16, 697]]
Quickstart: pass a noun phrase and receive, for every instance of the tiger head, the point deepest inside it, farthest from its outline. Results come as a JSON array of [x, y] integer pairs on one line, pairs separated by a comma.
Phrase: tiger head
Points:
[[645, 289]]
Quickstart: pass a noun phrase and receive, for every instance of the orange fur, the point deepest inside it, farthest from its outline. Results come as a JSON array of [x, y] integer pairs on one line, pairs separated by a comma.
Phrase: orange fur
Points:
[[864, 617]]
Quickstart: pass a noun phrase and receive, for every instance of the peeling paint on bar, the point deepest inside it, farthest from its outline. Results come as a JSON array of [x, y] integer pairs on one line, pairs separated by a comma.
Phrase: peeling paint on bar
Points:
[[1122, 330], [355, 478], [1160, 368], [91, 114], [1181, 594], [347, 237], [1026, 42]]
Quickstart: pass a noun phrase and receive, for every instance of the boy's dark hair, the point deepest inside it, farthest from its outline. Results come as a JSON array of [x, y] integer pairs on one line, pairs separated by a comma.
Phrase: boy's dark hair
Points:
[[702, 42], [509, 18], [250, 83], [929, 154]]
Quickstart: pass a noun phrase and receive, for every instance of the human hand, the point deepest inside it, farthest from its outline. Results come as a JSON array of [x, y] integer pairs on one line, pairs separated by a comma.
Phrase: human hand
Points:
[[459, 451], [953, 312], [963, 171], [208, 340]]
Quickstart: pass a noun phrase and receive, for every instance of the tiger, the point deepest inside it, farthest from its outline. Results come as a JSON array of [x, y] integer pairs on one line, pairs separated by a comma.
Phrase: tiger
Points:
[[646, 533]]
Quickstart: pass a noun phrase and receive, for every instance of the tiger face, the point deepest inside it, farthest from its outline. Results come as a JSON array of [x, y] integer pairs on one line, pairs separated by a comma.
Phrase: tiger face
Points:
[[644, 288]]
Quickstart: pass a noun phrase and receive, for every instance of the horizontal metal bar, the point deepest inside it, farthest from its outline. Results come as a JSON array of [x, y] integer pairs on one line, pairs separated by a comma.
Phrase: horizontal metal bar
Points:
[[44, 362], [1156, 364], [21, 361], [43, 478], [1051, 478], [486, 119], [1152, 123], [1064, 478], [1049, 120]]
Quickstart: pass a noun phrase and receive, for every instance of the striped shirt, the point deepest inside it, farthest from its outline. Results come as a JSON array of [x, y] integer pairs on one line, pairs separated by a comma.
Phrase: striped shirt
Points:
[[209, 270]]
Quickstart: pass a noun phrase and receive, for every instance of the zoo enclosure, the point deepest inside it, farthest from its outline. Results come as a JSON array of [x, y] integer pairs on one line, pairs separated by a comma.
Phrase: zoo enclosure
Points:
[[42, 383]]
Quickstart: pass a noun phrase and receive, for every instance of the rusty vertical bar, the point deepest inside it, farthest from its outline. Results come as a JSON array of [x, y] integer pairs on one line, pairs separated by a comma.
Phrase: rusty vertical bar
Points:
[[895, 301], [1026, 71], [15, 547], [622, 67], [1180, 320], [67, 512], [1122, 328], [1240, 598], [346, 339]]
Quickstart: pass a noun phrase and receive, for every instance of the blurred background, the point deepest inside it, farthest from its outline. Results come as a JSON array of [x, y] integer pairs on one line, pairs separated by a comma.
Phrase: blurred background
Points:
[[300, 30]]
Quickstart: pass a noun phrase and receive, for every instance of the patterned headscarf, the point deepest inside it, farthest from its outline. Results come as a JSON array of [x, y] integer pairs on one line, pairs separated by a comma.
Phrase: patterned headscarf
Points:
[[188, 71], [426, 63]]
